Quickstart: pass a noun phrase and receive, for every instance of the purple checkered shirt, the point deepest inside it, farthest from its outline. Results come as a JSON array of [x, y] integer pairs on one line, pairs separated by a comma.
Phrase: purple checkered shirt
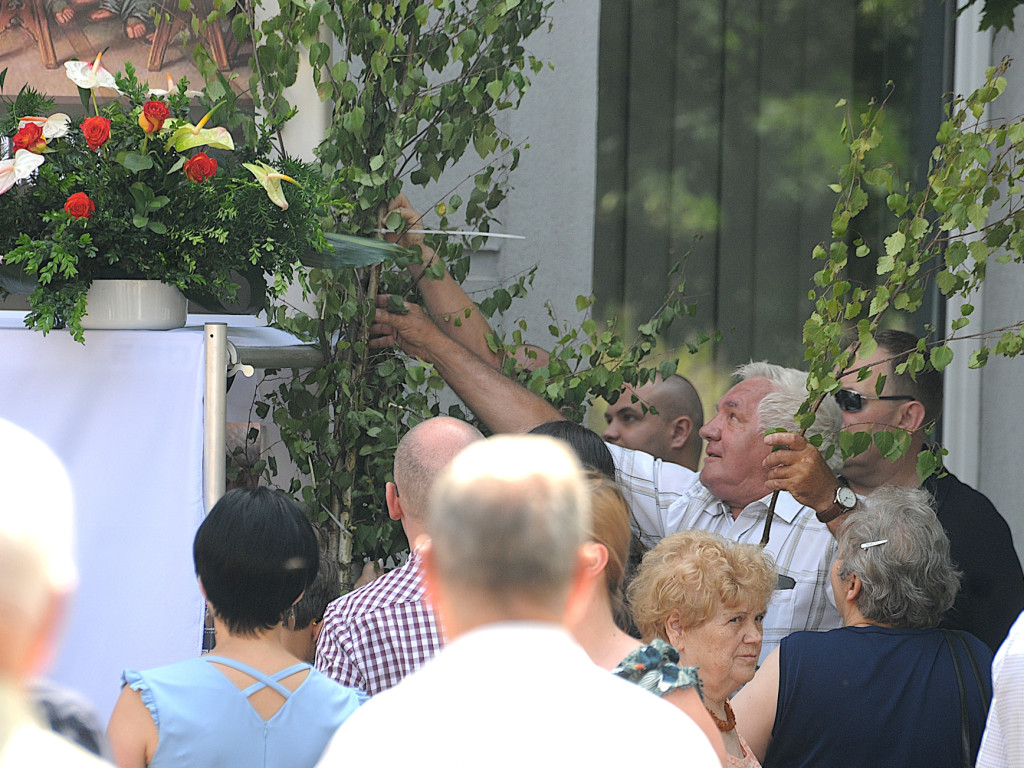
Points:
[[376, 635]]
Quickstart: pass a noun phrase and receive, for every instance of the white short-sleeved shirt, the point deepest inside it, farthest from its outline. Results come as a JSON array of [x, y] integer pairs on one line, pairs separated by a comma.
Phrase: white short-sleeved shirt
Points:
[[666, 498], [1002, 746]]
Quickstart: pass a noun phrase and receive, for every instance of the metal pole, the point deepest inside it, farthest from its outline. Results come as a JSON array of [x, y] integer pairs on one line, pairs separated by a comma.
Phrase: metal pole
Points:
[[215, 413]]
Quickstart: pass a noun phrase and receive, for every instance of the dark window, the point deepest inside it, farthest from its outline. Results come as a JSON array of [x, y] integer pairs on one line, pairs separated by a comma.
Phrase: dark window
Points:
[[718, 135]]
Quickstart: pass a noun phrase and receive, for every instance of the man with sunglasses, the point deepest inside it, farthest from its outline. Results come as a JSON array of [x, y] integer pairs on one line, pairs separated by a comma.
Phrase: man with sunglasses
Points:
[[992, 592]]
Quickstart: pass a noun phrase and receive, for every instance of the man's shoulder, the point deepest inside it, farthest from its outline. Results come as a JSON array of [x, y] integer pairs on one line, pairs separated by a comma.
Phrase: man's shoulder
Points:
[[400, 586], [951, 490], [958, 505], [449, 712], [637, 467]]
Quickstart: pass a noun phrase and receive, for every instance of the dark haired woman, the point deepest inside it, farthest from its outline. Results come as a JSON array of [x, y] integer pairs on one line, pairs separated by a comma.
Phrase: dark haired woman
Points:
[[251, 703]]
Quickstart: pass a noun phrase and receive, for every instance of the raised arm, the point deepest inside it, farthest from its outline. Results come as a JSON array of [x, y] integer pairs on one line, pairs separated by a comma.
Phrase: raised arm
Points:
[[497, 401], [443, 298], [796, 466]]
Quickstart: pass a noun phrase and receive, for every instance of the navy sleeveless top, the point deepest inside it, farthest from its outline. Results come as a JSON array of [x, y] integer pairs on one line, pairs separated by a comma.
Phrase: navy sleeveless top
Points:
[[863, 697]]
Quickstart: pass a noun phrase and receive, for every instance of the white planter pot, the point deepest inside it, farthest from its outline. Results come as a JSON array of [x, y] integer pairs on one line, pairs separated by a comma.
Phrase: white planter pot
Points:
[[133, 305]]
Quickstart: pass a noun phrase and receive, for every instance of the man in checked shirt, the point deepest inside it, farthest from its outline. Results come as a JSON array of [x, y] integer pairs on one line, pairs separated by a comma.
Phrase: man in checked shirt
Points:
[[376, 635]]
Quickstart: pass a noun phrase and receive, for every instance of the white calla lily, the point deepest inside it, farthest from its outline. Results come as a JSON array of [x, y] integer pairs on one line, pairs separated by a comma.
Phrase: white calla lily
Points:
[[90, 76], [18, 168], [171, 89], [54, 126]]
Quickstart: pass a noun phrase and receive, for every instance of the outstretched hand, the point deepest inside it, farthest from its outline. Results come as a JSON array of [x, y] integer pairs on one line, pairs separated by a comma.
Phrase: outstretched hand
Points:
[[413, 220], [413, 332], [796, 466]]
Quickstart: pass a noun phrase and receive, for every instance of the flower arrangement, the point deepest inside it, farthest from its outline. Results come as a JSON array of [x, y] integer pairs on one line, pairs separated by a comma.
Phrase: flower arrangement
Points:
[[135, 189]]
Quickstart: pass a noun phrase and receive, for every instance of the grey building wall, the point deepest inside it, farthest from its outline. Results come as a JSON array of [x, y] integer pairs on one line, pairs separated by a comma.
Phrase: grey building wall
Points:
[[1000, 440], [552, 203]]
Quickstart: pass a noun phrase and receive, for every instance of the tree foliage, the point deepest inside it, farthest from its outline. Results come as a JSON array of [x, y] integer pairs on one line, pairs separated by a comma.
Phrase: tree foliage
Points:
[[412, 88], [971, 211]]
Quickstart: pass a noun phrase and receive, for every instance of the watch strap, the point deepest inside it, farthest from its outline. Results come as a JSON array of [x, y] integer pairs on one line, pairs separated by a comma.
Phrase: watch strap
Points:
[[828, 515]]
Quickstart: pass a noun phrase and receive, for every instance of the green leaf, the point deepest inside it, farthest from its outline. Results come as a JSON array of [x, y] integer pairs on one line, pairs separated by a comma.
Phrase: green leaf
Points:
[[347, 251], [854, 443], [894, 244], [378, 62], [135, 162], [397, 305], [941, 356], [494, 89], [928, 463]]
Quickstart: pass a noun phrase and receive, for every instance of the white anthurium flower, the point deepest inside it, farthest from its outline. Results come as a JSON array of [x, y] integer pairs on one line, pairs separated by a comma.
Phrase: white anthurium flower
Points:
[[17, 168], [90, 76], [54, 126], [171, 89]]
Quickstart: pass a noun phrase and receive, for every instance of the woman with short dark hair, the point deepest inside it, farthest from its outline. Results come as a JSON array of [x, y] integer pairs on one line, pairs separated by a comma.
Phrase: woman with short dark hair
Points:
[[251, 703]]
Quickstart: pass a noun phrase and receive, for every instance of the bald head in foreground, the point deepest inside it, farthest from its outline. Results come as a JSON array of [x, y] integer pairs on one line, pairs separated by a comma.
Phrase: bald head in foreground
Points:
[[37, 577], [507, 562]]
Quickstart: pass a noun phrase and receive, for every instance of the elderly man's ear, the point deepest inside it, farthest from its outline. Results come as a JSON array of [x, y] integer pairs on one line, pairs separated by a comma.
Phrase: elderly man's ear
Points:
[[591, 560]]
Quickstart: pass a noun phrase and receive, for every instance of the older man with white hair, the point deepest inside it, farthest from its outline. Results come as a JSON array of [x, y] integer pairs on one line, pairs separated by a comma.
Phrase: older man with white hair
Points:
[[37, 576], [731, 494], [507, 563]]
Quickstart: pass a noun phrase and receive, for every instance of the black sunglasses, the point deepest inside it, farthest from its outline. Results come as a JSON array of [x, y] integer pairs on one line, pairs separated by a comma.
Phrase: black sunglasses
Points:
[[851, 402]]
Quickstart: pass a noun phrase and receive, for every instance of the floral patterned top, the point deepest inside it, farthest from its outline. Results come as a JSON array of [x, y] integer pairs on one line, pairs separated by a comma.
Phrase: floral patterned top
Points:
[[655, 667]]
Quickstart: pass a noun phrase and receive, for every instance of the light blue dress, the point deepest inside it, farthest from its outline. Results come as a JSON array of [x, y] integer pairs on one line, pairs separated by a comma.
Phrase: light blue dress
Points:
[[205, 720]]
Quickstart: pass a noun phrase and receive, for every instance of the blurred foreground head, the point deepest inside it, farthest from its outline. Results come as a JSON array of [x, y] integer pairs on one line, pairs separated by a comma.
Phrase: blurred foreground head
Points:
[[37, 564], [507, 520]]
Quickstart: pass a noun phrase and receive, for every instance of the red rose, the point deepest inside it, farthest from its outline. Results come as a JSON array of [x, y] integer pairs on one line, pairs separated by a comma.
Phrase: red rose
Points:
[[30, 137], [79, 206], [153, 115], [200, 168], [96, 131]]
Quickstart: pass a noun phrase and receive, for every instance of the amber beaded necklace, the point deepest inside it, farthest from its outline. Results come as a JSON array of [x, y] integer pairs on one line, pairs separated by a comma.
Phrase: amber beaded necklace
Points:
[[723, 725]]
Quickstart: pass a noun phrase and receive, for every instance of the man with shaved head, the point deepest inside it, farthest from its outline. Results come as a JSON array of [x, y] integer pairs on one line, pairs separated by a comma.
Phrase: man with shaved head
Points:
[[376, 635], [662, 417]]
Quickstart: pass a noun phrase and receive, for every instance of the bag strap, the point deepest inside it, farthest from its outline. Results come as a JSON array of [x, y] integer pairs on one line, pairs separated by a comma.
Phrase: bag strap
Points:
[[986, 694], [965, 723]]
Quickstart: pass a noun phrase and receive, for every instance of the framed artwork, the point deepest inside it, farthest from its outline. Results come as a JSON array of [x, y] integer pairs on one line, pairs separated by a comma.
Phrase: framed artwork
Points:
[[38, 36]]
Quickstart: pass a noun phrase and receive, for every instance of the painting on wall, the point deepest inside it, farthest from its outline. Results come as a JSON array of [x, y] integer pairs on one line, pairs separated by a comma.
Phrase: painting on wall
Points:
[[38, 36]]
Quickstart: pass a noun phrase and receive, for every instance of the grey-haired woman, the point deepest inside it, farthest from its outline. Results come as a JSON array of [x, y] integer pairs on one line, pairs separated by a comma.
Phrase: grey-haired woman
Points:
[[888, 688]]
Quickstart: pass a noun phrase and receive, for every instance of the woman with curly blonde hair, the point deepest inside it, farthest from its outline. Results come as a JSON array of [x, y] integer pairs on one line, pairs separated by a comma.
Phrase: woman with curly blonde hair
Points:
[[707, 596]]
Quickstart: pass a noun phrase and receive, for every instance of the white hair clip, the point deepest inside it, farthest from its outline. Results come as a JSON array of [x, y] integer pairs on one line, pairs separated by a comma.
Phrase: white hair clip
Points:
[[870, 544]]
